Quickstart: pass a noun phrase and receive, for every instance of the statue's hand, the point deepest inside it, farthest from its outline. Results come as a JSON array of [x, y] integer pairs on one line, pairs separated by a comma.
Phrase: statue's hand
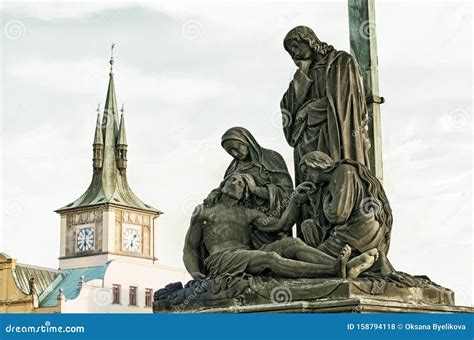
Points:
[[250, 182], [305, 187], [198, 276], [303, 65], [300, 195]]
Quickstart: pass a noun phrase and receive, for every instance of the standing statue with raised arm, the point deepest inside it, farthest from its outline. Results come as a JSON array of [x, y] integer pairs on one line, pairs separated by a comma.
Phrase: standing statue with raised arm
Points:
[[324, 107]]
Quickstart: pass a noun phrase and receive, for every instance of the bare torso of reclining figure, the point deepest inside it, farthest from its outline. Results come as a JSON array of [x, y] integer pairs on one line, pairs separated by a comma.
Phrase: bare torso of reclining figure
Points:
[[226, 226]]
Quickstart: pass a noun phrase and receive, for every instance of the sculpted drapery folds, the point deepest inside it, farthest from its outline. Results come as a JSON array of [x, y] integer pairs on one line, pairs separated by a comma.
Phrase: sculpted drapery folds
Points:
[[348, 205], [223, 230], [267, 167], [270, 183], [238, 247], [324, 107]]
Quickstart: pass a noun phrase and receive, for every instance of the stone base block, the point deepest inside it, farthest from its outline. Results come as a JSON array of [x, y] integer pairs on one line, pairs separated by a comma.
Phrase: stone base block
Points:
[[317, 296], [353, 305]]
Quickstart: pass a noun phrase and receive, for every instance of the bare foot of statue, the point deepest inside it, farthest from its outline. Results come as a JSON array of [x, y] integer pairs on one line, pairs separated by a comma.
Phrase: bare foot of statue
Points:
[[342, 261], [361, 263]]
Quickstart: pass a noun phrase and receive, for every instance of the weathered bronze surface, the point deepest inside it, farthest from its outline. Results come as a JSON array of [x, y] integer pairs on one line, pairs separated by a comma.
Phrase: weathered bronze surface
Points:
[[269, 181], [347, 236], [324, 108], [238, 247], [346, 205], [218, 242], [270, 295]]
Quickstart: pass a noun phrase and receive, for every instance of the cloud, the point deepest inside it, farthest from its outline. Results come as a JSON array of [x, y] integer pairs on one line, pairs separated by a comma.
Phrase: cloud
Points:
[[181, 94], [77, 76], [58, 10]]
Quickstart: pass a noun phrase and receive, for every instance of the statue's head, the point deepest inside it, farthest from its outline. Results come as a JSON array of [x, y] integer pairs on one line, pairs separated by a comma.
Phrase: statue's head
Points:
[[235, 186], [235, 144], [314, 165], [302, 44]]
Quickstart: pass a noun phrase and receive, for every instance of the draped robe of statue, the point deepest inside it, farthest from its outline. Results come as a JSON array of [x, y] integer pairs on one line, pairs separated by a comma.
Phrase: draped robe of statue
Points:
[[269, 170], [325, 110], [351, 209]]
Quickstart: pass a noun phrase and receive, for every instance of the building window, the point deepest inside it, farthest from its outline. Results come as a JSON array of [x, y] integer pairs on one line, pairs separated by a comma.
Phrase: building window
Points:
[[116, 293], [132, 296], [148, 295]]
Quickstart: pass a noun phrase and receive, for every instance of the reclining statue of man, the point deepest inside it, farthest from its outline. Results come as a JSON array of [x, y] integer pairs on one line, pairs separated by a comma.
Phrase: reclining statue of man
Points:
[[218, 242]]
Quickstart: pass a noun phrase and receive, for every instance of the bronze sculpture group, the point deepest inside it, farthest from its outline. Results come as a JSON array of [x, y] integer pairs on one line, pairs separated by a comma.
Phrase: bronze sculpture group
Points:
[[243, 226], [241, 233]]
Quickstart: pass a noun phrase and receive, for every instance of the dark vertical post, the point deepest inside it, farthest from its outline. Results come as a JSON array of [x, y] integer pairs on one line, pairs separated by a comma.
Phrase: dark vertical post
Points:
[[364, 48]]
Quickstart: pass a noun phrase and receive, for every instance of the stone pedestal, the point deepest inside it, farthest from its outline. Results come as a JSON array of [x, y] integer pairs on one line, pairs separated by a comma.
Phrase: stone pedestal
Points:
[[319, 296], [354, 305]]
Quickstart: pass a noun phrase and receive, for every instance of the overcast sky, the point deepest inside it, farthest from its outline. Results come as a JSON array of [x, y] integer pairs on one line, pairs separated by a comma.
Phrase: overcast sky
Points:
[[186, 72]]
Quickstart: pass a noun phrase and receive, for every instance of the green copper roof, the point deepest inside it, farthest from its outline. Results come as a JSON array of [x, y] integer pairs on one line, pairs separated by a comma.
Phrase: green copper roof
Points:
[[109, 184], [70, 283], [122, 138], [98, 139], [44, 277]]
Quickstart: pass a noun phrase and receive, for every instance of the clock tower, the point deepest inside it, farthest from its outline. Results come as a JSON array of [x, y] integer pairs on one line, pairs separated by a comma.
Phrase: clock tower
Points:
[[108, 221]]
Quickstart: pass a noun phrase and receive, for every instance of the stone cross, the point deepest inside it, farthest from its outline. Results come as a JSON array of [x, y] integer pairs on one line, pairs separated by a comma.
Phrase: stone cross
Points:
[[364, 48]]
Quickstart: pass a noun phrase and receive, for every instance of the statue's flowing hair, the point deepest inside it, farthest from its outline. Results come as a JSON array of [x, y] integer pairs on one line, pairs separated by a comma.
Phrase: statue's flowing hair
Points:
[[383, 212], [306, 34]]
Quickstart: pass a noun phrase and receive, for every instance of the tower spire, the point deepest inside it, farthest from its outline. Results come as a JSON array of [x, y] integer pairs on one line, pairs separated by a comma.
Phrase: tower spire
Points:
[[112, 58], [110, 119], [122, 137], [109, 183], [109, 133], [122, 144], [98, 145]]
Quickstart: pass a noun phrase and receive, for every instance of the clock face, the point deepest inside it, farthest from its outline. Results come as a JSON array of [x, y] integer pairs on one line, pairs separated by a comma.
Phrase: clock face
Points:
[[85, 239], [131, 240]]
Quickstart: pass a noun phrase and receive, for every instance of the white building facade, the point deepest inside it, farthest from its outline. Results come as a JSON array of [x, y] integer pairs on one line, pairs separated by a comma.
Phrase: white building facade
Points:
[[107, 260]]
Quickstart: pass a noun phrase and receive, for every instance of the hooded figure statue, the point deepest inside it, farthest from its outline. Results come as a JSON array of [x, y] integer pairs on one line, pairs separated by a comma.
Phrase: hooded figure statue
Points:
[[269, 180]]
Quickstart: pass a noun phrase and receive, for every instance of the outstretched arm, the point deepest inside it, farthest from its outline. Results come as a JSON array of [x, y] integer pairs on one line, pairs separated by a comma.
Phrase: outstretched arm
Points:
[[289, 216], [191, 253], [272, 224]]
